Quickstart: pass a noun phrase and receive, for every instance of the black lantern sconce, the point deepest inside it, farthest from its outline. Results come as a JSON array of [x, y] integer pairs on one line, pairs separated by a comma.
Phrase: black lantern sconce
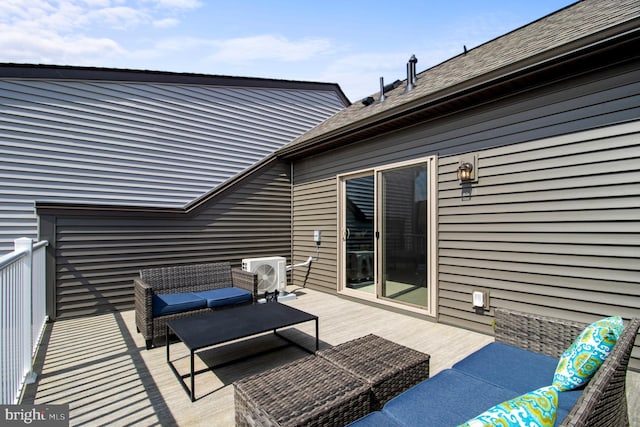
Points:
[[465, 172], [468, 169]]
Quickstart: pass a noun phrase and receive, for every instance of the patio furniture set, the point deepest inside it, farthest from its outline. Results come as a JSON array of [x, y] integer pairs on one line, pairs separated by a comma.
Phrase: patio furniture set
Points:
[[371, 381], [522, 359]]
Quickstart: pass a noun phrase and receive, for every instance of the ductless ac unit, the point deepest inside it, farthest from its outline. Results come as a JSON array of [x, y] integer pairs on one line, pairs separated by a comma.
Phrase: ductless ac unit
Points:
[[271, 272]]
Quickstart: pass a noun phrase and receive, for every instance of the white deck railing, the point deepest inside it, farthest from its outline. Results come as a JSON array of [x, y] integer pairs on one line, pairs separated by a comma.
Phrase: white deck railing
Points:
[[22, 315]]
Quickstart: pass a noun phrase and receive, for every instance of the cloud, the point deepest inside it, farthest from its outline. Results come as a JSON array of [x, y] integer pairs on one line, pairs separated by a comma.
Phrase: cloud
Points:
[[55, 49], [176, 4], [166, 23], [182, 43], [79, 15], [269, 47], [120, 18], [361, 73], [80, 32]]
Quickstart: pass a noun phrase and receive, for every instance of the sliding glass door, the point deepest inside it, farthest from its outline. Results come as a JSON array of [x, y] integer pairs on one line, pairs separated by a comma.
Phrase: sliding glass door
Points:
[[386, 223], [403, 220], [358, 233]]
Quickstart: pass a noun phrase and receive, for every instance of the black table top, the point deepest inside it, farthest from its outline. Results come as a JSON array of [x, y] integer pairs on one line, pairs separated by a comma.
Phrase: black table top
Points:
[[221, 326]]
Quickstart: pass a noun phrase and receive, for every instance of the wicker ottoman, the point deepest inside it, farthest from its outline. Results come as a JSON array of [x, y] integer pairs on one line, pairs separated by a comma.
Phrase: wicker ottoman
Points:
[[307, 392], [387, 367]]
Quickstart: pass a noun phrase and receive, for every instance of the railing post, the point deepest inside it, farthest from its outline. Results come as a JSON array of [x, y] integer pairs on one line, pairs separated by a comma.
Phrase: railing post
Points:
[[26, 244]]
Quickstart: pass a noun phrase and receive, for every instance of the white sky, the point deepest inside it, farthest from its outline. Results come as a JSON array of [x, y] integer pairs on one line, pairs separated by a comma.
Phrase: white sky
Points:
[[349, 42]]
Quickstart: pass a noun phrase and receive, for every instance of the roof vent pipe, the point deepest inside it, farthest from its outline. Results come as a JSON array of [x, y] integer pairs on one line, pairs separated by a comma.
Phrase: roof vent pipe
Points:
[[414, 76], [410, 84], [382, 97]]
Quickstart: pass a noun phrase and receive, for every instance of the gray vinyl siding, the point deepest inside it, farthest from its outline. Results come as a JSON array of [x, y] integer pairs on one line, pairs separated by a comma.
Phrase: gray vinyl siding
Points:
[[136, 143], [553, 225], [98, 255], [315, 208]]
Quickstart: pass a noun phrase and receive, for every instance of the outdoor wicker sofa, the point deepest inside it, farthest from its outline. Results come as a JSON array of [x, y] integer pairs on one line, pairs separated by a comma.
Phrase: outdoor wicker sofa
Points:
[[166, 293], [522, 359]]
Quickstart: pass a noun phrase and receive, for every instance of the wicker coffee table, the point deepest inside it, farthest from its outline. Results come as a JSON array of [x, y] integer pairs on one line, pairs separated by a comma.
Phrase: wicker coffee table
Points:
[[308, 392], [387, 367]]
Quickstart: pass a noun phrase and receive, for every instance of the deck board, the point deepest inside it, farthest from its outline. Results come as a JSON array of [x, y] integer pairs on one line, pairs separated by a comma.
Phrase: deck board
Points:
[[100, 367]]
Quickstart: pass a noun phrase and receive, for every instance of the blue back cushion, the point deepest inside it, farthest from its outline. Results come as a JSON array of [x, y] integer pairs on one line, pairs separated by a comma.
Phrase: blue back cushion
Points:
[[511, 367], [447, 399], [517, 369], [225, 296], [164, 304]]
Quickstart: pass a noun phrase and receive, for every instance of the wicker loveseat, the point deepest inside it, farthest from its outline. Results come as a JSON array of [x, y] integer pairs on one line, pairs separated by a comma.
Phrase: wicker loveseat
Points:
[[174, 292], [523, 358]]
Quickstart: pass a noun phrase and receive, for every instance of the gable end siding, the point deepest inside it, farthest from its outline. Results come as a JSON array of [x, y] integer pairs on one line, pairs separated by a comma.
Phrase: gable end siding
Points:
[[136, 143]]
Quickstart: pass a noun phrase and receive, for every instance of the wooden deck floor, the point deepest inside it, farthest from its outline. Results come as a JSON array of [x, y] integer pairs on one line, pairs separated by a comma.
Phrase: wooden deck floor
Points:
[[99, 365]]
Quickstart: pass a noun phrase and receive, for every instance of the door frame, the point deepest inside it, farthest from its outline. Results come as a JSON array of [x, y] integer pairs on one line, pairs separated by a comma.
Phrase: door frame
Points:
[[432, 256]]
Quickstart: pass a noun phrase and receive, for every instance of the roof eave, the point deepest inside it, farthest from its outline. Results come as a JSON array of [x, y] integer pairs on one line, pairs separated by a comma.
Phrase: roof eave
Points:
[[624, 33], [69, 72]]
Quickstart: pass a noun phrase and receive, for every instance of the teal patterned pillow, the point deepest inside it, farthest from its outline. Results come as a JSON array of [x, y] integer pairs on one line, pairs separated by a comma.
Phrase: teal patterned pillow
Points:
[[585, 355], [535, 409]]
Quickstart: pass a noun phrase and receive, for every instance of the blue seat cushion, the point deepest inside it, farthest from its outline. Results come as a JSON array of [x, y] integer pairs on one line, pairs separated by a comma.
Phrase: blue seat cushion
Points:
[[518, 370], [375, 419], [566, 401], [449, 398], [164, 304], [225, 296]]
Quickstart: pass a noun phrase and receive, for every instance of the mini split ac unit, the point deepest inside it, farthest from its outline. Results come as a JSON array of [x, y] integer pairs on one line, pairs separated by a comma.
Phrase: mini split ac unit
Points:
[[271, 272]]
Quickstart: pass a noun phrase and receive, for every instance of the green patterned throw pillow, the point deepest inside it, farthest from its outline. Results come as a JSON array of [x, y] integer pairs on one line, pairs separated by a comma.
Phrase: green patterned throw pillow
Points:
[[535, 409], [585, 355]]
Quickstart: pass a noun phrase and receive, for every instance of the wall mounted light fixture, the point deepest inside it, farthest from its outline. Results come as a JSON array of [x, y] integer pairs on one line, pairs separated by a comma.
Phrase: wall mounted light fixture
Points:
[[465, 171], [468, 169]]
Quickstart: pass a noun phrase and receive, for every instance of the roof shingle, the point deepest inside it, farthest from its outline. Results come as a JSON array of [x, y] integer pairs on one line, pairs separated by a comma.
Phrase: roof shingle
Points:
[[561, 31]]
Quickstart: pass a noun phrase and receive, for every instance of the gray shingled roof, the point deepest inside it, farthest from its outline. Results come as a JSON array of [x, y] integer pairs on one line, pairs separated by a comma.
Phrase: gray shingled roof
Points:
[[567, 29]]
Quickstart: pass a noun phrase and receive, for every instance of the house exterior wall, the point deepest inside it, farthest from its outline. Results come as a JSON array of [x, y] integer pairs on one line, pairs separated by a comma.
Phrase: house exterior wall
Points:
[[96, 254], [315, 207], [153, 143], [553, 223], [552, 226]]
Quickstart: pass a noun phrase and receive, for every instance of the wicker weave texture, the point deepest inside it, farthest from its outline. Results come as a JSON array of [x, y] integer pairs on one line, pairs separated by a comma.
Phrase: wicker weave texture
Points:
[[542, 334], [387, 367], [245, 280], [188, 278], [182, 278], [308, 392], [603, 402]]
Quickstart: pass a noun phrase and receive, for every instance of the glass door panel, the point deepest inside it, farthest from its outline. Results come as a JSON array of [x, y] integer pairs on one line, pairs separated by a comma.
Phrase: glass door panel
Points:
[[358, 233], [403, 244]]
